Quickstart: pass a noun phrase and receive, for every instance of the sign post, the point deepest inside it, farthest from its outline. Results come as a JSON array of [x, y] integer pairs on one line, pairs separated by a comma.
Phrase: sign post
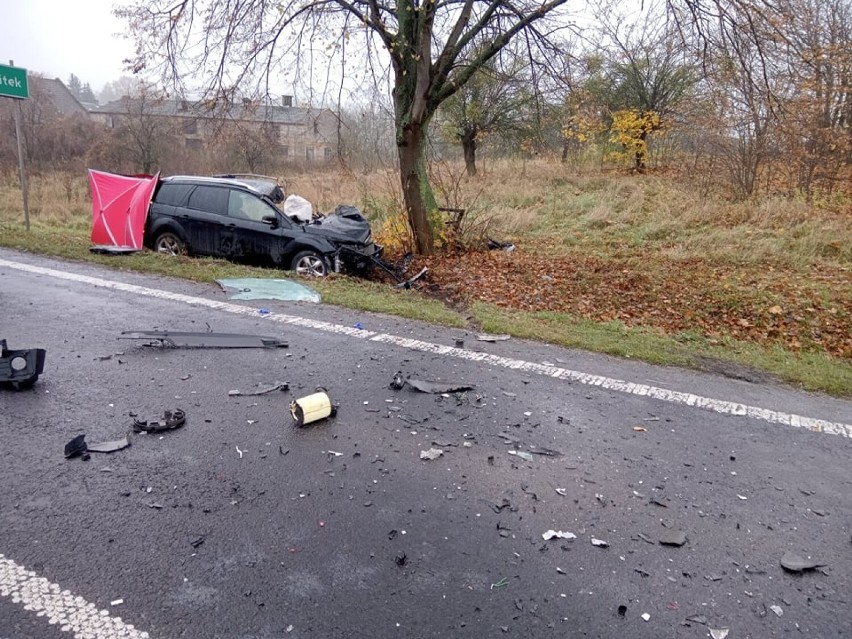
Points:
[[13, 84]]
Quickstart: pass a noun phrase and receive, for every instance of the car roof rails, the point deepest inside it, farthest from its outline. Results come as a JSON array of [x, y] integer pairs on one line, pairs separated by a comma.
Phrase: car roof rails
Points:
[[251, 176]]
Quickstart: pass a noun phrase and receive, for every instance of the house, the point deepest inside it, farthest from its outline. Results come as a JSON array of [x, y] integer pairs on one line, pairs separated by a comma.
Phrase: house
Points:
[[297, 133], [52, 95]]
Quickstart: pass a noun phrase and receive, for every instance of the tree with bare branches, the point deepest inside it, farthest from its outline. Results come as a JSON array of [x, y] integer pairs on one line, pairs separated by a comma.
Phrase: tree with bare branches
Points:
[[434, 48]]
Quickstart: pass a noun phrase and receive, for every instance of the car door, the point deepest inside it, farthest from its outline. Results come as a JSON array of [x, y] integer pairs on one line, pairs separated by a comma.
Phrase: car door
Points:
[[204, 217], [250, 238]]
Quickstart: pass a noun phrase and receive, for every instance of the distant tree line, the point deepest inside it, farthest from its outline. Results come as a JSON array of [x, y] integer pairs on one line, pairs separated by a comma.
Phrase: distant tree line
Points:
[[739, 96]]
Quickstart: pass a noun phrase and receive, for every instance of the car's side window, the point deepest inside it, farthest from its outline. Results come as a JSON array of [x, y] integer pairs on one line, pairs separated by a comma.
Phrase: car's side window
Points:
[[246, 206], [211, 199], [173, 194]]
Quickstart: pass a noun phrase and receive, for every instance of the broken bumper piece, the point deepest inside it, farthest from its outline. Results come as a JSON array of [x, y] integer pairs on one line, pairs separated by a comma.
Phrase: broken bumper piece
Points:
[[170, 421], [21, 368]]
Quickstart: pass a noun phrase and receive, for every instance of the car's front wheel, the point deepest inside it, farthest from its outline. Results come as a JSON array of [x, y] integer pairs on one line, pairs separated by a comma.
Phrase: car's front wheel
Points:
[[170, 244], [310, 263]]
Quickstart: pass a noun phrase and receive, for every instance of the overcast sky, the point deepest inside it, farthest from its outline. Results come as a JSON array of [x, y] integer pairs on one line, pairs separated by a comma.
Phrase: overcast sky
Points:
[[61, 37]]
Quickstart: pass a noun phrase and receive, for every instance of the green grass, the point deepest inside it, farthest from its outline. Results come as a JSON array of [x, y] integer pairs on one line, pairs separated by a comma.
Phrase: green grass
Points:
[[812, 371], [338, 290]]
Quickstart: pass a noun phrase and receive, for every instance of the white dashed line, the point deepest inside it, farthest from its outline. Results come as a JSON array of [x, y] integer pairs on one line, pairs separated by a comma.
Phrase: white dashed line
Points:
[[675, 397], [60, 607]]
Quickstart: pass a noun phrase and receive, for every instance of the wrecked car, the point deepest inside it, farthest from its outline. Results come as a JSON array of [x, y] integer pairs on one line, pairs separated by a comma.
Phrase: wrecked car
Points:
[[236, 217]]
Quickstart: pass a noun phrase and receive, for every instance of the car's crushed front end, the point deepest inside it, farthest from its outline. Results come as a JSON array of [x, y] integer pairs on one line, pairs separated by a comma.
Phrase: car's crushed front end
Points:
[[349, 233]]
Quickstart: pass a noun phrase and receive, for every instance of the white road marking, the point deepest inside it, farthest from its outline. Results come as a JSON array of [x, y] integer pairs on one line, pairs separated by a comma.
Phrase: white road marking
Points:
[[61, 607], [675, 397]]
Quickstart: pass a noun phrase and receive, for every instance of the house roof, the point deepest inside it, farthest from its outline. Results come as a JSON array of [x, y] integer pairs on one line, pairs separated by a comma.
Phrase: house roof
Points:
[[57, 94], [186, 109]]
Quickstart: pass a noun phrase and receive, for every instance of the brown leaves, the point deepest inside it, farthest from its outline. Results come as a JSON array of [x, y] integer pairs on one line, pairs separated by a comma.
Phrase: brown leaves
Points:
[[766, 306]]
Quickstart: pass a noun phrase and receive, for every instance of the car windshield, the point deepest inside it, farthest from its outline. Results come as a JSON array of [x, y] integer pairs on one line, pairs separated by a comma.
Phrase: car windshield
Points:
[[248, 207]]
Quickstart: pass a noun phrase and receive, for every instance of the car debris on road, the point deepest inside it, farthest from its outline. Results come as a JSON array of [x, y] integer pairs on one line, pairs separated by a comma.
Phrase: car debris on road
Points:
[[20, 368], [188, 339], [170, 421], [312, 408]]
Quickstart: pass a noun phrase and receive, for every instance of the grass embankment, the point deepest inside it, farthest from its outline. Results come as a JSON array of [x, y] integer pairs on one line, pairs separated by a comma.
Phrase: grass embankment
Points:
[[633, 266]]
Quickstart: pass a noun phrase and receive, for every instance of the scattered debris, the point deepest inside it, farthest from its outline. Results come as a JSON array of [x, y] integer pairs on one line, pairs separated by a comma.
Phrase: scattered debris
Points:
[[718, 633], [397, 382], [503, 582], [794, 563], [278, 386], [673, 538], [522, 454], [496, 245], [106, 249], [640, 429], [657, 502], [183, 339], [778, 610], [407, 283], [600, 543], [487, 337], [401, 559], [561, 491], [21, 368], [251, 288], [557, 534], [111, 446], [195, 543], [547, 452], [646, 616], [76, 446], [643, 573], [742, 497], [431, 454], [312, 408], [701, 619], [116, 602], [239, 452], [622, 610], [170, 421], [437, 388]]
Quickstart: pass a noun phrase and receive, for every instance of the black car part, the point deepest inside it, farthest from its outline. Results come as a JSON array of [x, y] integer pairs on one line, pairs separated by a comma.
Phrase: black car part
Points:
[[170, 421], [21, 368], [181, 339]]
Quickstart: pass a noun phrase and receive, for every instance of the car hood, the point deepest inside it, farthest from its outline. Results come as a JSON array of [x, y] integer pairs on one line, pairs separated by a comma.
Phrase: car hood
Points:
[[345, 224]]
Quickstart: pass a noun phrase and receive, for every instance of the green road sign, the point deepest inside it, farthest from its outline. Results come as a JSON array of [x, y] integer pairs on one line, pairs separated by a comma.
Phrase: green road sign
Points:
[[13, 82]]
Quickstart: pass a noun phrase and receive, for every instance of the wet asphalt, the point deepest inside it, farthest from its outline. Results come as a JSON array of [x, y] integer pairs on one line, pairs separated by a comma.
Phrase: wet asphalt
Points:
[[239, 525]]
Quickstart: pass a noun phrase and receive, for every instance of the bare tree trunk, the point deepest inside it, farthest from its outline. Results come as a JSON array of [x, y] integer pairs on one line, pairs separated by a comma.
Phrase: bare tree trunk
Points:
[[468, 141], [416, 190]]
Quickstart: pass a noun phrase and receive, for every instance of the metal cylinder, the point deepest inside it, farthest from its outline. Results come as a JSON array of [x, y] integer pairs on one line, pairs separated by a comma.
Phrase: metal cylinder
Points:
[[312, 408]]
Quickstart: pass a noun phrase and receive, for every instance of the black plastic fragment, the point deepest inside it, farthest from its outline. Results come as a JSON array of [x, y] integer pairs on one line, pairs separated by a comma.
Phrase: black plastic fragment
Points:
[[170, 421], [76, 446], [21, 368]]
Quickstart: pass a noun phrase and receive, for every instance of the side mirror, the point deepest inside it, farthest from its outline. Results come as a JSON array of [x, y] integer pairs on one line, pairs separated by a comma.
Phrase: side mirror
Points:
[[271, 220]]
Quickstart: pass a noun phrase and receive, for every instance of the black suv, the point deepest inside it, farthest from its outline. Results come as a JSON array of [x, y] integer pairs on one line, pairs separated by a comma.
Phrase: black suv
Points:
[[236, 218]]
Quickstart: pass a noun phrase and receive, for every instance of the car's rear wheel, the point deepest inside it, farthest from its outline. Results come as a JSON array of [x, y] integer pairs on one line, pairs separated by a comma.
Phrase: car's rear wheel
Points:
[[310, 263], [169, 244]]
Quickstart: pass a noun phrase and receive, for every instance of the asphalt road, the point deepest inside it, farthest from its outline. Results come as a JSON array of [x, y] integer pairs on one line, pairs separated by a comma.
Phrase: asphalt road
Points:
[[239, 525]]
